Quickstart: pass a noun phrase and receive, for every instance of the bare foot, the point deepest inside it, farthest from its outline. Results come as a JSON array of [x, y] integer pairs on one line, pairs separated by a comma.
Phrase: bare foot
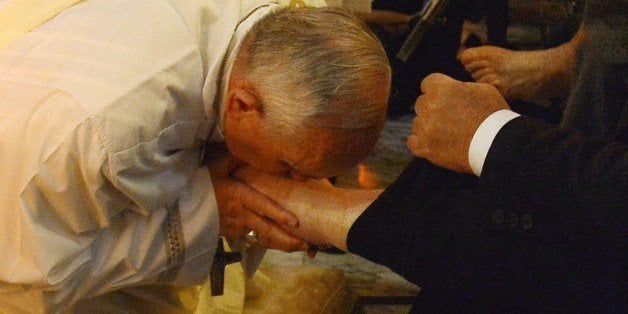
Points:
[[534, 76], [325, 213]]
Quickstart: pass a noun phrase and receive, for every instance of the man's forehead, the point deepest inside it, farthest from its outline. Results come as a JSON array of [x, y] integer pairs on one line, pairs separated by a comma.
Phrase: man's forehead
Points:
[[329, 152], [313, 158]]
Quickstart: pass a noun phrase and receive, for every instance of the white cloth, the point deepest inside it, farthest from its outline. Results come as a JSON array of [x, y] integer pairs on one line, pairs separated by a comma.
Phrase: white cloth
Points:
[[484, 136], [18, 18], [103, 109]]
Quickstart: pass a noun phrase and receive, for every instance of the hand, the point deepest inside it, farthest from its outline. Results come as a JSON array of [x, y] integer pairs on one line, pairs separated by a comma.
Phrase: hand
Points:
[[243, 209], [325, 213], [448, 114]]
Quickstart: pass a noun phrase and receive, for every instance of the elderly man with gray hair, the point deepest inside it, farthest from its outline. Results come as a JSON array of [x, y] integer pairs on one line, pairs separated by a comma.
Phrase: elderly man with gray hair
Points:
[[110, 108]]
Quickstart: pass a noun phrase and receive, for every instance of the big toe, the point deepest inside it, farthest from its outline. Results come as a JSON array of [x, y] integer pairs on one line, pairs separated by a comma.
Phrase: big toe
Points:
[[471, 55], [484, 53]]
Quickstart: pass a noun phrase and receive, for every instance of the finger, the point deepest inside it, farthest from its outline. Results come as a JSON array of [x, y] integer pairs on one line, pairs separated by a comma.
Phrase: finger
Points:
[[232, 228], [433, 81], [436, 82], [270, 235], [414, 145], [416, 124], [420, 102], [265, 206]]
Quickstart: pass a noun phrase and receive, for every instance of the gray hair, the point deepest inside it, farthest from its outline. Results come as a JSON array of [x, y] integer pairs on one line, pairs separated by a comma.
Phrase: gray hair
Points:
[[318, 67]]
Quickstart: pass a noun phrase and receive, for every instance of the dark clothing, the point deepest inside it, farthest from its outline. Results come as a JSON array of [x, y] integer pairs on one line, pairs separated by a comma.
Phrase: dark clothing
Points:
[[544, 228], [437, 50], [597, 103]]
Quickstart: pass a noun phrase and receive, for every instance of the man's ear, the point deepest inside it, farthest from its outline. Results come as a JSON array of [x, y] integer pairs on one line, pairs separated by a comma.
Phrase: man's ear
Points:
[[242, 101]]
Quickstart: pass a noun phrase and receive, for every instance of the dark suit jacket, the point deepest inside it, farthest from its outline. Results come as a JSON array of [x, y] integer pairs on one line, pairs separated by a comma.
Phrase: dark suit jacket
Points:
[[544, 228]]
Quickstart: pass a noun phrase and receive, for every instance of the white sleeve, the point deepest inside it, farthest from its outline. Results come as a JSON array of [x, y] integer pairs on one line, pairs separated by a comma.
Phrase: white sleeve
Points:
[[484, 136], [79, 236]]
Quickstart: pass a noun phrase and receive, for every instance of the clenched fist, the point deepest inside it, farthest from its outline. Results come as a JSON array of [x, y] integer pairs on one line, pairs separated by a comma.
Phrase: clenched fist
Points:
[[448, 114]]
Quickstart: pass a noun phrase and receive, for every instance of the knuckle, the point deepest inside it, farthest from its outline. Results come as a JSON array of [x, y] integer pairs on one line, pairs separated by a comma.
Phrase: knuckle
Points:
[[421, 128], [425, 153], [417, 147], [416, 126], [418, 103], [412, 142], [422, 102], [412, 146]]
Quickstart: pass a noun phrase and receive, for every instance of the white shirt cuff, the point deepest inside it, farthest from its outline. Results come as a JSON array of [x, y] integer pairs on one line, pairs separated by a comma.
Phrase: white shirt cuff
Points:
[[484, 136]]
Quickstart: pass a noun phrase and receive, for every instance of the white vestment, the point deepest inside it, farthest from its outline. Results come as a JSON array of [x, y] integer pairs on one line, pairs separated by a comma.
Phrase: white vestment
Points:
[[103, 110]]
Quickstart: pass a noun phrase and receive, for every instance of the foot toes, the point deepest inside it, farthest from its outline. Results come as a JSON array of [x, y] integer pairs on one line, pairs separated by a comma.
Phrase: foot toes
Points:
[[483, 72], [476, 65]]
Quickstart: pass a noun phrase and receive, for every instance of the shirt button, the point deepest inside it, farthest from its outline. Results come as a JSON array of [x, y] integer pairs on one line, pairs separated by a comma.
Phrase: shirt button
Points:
[[527, 222], [498, 216], [512, 220]]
